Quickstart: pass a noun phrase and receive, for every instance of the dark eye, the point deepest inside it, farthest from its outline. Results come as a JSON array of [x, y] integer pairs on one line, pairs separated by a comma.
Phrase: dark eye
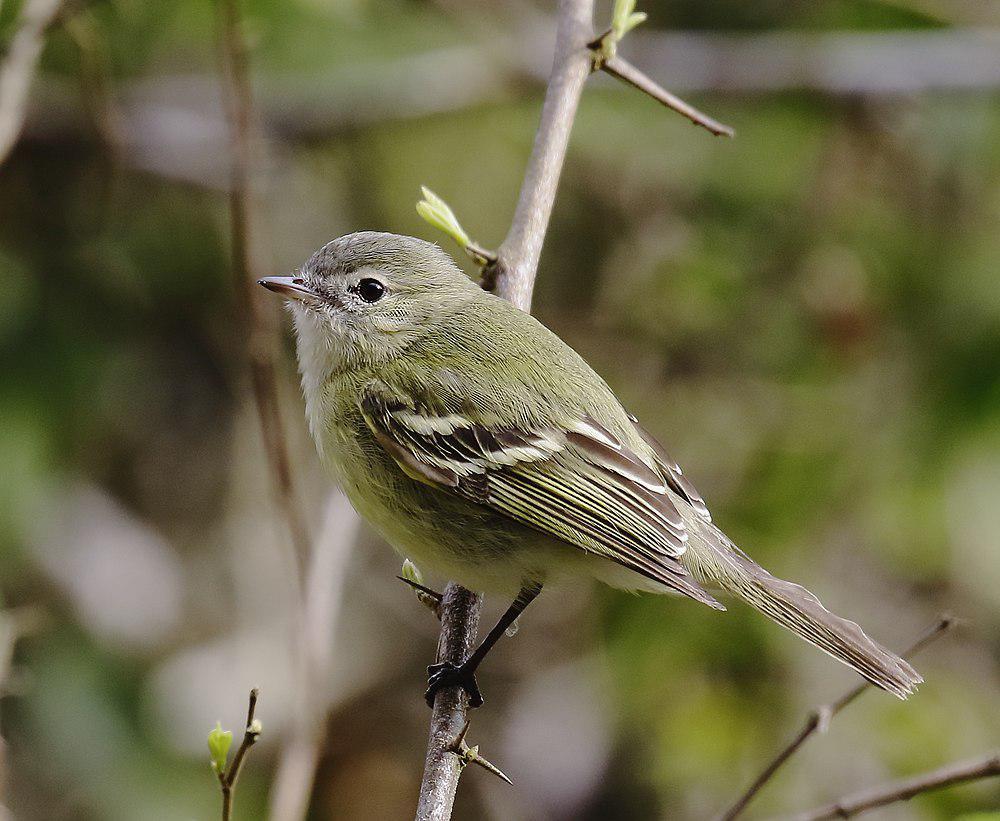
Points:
[[370, 290]]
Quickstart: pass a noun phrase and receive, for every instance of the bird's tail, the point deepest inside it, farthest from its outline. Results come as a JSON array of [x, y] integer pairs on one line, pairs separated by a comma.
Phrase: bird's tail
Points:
[[713, 558]]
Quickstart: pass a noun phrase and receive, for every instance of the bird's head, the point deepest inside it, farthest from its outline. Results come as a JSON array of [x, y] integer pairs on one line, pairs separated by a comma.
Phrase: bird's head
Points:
[[363, 298]]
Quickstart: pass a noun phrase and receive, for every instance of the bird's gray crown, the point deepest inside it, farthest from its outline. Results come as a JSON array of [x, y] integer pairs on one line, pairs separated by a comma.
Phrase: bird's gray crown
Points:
[[388, 252]]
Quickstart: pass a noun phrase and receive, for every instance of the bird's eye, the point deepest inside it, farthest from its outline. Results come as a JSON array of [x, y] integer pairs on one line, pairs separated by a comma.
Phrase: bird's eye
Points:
[[370, 290]]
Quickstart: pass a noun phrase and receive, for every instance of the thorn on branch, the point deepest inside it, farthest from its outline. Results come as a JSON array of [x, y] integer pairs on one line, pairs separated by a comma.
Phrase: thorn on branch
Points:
[[431, 599], [470, 755], [436, 212]]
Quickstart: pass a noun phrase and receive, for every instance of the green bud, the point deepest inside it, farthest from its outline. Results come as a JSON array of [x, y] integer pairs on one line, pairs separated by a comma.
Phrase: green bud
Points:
[[412, 573], [624, 18], [219, 742], [436, 212]]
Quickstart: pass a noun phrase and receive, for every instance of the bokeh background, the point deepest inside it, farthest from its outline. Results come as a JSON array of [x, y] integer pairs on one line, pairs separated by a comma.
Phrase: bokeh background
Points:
[[808, 316]]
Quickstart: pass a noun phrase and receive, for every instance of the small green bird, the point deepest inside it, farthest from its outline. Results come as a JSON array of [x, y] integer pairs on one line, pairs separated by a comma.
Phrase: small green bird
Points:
[[481, 445]]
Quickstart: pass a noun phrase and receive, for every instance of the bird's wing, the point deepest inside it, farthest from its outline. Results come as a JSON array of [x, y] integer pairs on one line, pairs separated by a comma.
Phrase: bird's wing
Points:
[[577, 482], [672, 473]]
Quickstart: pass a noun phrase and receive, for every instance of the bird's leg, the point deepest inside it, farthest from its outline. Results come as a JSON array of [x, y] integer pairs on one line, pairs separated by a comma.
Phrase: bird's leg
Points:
[[446, 674]]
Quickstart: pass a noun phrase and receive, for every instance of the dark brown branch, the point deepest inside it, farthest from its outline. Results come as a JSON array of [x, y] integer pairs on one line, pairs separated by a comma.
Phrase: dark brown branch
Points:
[[227, 779], [246, 271], [18, 68], [628, 73], [987, 766], [819, 719]]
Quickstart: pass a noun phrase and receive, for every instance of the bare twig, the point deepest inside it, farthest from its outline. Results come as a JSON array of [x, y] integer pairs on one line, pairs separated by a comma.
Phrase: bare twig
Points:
[[246, 271], [987, 766], [293, 781], [819, 719], [518, 256], [227, 779], [626, 72], [99, 100], [18, 68], [15, 624]]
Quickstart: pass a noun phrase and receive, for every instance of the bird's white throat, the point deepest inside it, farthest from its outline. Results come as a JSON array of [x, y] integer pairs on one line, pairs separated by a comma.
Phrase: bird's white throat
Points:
[[318, 357]]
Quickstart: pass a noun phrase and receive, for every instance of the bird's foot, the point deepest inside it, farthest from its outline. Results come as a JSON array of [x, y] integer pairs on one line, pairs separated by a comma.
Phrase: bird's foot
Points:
[[446, 674]]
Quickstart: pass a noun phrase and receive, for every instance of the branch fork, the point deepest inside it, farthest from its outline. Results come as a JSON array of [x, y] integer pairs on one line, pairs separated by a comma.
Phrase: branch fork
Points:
[[219, 741]]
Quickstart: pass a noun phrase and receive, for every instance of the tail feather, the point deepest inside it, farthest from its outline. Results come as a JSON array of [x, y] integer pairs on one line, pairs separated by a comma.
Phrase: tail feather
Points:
[[795, 608]]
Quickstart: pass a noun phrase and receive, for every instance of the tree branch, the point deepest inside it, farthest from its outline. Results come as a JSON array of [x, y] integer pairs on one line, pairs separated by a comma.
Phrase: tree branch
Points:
[[321, 606], [227, 779], [819, 719], [442, 767], [986, 766], [512, 276], [246, 270], [517, 262], [626, 72], [18, 68]]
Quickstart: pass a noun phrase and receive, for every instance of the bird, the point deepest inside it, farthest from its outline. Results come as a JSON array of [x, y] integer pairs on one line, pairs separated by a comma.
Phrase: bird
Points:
[[482, 446]]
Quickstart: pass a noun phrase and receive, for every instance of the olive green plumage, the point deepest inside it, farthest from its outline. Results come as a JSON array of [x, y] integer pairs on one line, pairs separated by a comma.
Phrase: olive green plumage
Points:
[[481, 445]]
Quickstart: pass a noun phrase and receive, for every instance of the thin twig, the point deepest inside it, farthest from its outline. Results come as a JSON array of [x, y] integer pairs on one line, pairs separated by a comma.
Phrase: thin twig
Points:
[[623, 70], [987, 766], [99, 99], [518, 255], [239, 101], [18, 68], [15, 624], [227, 780], [326, 582], [819, 719]]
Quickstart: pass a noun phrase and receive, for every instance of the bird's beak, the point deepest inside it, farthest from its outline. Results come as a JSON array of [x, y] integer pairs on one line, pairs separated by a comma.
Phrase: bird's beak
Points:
[[290, 287]]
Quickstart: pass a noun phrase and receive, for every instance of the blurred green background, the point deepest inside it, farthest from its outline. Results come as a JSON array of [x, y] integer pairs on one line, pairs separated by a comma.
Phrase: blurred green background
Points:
[[808, 316]]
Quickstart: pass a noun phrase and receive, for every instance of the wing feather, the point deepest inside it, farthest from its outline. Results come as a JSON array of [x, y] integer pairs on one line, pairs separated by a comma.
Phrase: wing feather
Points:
[[580, 484]]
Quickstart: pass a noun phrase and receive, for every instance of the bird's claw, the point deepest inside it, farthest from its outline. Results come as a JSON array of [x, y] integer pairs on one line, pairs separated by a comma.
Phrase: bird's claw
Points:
[[446, 674]]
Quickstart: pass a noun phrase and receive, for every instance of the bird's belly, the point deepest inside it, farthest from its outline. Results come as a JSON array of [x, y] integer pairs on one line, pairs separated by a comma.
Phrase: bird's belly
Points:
[[440, 532]]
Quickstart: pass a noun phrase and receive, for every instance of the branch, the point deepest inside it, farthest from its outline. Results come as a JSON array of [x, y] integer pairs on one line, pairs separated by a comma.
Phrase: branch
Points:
[[459, 628], [624, 18], [628, 73], [517, 262], [15, 624], [513, 278], [986, 766], [227, 777], [18, 68], [239, 102], [315, 629], [819, 719]]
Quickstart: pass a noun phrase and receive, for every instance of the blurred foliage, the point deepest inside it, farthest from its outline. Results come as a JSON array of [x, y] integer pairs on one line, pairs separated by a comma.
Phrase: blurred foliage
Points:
[[809, 316]]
